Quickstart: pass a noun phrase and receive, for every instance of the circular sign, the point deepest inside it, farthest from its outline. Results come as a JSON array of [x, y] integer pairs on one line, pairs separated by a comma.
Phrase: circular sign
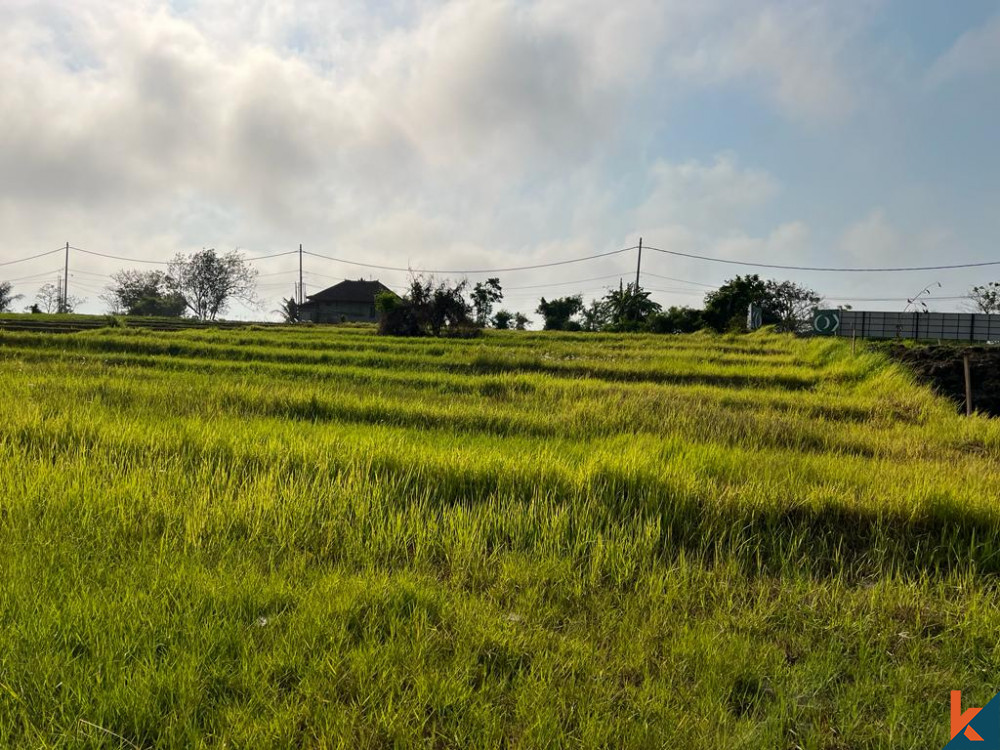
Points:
[[826, 321]]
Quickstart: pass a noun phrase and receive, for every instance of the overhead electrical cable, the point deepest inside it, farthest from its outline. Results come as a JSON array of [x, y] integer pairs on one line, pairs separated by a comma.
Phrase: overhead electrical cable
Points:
[[824, 268], [166, 262], [34, 276], [473, 270], [32, 257]]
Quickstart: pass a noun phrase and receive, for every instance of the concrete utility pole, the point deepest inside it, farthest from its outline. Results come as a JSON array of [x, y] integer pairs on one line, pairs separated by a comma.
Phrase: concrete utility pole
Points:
[[302, 292], [638, 264], [64, 307]]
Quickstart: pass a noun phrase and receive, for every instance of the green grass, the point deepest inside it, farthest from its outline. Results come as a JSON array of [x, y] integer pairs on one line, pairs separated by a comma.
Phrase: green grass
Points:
[[319, 537]]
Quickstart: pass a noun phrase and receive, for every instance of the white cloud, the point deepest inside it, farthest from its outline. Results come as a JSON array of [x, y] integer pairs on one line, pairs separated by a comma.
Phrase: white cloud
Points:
[[455, 134], [796, 51], [877, 240], [975, 52], [718, 196]]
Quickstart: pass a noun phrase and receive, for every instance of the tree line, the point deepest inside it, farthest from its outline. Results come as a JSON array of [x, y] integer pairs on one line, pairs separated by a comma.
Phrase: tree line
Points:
[[204, 284], [439, 308]]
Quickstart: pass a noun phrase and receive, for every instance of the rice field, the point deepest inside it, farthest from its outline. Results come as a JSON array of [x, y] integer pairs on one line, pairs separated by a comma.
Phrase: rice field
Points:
[[317, 537]]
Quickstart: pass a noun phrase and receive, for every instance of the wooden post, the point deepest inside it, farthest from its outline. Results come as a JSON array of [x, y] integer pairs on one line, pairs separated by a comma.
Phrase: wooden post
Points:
[[968, 386], [854, 340]]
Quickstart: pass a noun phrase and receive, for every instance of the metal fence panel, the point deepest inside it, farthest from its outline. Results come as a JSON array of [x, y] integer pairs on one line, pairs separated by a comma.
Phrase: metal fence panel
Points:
[[917, 325]]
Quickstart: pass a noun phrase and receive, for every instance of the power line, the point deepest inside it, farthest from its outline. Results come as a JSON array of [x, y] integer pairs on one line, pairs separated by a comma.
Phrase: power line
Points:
[[120, 257], [681, 281], [893, 299], [166, 262], [35, 276], [672, 291], [566, 283], [32, 257], [820, 268], [474, 270]]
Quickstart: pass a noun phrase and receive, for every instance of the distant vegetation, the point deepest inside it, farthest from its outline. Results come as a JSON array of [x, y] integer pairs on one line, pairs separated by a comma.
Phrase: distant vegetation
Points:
[[313, 536], [785, 305]]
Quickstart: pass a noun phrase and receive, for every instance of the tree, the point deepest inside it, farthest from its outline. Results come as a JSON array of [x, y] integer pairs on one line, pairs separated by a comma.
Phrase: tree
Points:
[[136, 292], [502, 320], [208, 281], [398, 316], [726, 307], [7, 296], [986, 298], [426, 309], [49, 299], [791, 306], [289, 310], [484, 296], [521, 321], [595, 316], [677, 320], [629, 307], [558, 313], [783, 303]]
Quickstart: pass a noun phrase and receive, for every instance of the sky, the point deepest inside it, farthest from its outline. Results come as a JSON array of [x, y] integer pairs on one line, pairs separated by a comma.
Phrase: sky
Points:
[[480, 134]]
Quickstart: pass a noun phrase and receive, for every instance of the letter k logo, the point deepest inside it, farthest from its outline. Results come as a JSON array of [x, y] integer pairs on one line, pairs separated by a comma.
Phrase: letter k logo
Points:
[[960, 721]]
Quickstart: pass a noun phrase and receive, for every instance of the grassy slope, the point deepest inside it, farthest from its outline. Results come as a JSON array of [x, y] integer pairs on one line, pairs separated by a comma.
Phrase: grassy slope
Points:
[[324, 538]]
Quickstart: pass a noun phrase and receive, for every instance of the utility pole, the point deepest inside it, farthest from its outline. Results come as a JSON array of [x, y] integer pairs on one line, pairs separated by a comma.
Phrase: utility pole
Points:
[[638, 263], [302, 293], [64, 307]]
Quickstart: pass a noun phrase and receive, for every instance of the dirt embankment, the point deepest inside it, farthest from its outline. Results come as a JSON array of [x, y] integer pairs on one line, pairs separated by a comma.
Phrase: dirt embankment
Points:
[[942, 367]]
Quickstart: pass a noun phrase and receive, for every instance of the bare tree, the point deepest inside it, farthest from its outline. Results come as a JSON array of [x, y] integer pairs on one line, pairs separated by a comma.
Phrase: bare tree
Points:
[[208, 281], [49, 299]]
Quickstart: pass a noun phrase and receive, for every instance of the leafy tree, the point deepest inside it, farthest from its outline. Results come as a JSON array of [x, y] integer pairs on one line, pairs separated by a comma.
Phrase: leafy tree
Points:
[[136, 292], [791, 305], [208, 281], [426, 309], [629, 307], [449, 310], [677, 320], [502, 320], [398, 316], [783, 303], [49, 299], [484, 296], [521, 321], [726, 307], [7, 296], [595, 316], [558, 313], [986, 298], [289, 310]]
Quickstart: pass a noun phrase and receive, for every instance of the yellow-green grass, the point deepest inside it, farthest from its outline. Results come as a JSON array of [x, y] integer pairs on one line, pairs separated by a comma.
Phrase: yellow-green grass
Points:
[[320, 537]]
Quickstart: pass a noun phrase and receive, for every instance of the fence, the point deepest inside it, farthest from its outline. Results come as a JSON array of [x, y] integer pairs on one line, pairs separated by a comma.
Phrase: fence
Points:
[[917, 325]]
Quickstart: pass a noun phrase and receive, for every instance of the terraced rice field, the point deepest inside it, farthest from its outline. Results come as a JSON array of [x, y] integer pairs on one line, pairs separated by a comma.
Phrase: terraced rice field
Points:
[[317, 537]]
